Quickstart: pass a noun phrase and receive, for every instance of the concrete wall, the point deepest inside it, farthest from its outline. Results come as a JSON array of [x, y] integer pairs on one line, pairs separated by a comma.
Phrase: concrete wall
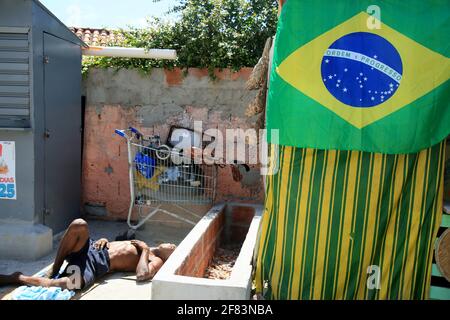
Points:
[[152, 103]]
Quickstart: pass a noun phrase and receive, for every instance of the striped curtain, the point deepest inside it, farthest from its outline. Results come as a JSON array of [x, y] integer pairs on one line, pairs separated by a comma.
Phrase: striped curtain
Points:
[[330, 215]]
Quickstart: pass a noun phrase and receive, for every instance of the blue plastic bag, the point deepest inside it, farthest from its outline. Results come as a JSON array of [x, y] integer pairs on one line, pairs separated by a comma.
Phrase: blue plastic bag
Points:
[[145, 164]]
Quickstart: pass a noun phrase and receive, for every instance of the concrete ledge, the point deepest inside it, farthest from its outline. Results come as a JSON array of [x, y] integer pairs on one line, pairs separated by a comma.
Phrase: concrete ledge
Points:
[[24, 241], [168, 283]]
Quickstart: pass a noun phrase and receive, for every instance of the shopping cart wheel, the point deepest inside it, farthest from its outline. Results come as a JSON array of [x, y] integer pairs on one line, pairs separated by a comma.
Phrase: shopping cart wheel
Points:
[[130, 234]]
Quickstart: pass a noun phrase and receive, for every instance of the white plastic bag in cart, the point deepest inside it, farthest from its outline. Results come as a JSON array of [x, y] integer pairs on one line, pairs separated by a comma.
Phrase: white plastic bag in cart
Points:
[[171, 174]]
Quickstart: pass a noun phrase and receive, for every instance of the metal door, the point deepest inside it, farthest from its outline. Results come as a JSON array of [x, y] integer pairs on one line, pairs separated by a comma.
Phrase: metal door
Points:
[[62, 147]]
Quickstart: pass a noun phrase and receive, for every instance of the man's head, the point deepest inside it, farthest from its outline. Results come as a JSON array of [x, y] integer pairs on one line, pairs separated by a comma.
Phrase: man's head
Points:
[[164, 250]]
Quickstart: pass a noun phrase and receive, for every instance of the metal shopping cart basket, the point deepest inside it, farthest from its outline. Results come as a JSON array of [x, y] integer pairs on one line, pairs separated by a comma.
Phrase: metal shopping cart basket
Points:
[[162, 175]]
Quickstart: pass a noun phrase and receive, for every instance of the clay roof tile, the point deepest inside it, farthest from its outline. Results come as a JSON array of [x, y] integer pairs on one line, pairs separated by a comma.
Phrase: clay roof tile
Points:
[[93, 36]]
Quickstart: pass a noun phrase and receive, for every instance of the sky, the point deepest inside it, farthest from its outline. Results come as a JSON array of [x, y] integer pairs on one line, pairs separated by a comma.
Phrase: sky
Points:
[[112, 14]]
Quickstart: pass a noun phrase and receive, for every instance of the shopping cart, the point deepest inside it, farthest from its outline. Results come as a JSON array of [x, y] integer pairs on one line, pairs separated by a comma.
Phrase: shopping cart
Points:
[[161, 175]]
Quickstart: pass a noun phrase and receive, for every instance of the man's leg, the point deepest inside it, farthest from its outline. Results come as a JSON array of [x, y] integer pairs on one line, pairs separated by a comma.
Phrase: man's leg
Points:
[[9, 279], [18, 278], [73, 240]]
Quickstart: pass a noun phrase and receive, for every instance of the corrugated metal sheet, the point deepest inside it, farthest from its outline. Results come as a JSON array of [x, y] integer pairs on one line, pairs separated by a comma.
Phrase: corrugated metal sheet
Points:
[[14, 80]]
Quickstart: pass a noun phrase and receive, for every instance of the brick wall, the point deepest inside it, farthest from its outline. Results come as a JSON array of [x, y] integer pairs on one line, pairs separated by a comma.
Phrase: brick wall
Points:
[[152, 103], [228, 228], [199, 258]]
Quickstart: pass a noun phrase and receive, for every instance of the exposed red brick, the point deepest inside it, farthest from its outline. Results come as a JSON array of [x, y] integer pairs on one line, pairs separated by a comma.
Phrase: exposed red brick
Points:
[[203, 251], [224, 74], [205, 240], [245, 73], [181, 269], [215, 226], [209, 249], [190, 262], [228, 74], [190, 266], [228, 189], [198, 72], [221, 220], [198, 272], [202, 267], [174, 77], [242, 215], [198, 249], [103, 149], [238, 233]]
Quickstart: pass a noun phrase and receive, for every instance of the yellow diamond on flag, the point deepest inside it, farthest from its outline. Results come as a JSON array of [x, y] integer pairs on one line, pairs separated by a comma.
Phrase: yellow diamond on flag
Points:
[[409, 71]]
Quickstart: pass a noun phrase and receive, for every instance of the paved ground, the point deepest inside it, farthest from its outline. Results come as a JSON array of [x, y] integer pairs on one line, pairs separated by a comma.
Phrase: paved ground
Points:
[[153, 234], [117, 286]]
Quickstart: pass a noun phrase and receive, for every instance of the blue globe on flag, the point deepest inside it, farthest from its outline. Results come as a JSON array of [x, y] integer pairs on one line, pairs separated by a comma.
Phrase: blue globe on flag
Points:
[[362, 69]]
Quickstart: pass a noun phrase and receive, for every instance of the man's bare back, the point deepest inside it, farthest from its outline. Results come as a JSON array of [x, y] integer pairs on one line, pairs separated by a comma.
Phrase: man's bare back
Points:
[[94, 259]]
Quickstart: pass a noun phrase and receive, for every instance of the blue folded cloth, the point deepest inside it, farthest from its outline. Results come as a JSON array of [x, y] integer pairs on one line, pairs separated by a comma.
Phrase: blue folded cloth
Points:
[[42, 293]]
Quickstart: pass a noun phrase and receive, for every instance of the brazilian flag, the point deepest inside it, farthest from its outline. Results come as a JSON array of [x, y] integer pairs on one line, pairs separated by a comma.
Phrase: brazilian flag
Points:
[[361, 75]]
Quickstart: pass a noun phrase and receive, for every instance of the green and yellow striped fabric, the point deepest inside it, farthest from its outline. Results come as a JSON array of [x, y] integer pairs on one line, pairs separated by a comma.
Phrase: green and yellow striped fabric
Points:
[[330, 214]]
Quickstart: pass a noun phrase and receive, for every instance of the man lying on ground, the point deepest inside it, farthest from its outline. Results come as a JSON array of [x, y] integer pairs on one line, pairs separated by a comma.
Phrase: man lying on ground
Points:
[[89, 260]]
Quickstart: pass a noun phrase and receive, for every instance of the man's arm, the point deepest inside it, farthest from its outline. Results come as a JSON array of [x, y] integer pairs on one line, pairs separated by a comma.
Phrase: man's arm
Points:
[[155, 264], [144, 270]]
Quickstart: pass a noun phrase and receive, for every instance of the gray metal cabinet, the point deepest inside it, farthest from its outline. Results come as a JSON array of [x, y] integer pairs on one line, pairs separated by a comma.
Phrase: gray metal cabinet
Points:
[[40, 110], [14, 78]]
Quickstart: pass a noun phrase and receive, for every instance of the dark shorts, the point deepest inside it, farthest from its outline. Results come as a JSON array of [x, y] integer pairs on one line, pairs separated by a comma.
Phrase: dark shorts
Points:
[[93, 263]]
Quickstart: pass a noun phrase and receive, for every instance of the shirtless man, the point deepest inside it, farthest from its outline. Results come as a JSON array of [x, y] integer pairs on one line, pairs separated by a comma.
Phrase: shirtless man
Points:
[[89, 260]]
